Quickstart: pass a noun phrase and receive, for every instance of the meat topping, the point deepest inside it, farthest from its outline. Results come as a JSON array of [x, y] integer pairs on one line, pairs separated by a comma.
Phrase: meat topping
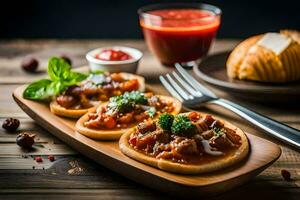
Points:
[[97, 87], [210, 137], [127, 109]]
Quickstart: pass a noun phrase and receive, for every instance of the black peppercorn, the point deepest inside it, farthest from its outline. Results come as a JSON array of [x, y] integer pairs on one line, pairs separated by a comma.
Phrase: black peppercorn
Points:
[[67, 59], [73, 90], [11, 124], [286, 175], [25, 140], [30, 64]]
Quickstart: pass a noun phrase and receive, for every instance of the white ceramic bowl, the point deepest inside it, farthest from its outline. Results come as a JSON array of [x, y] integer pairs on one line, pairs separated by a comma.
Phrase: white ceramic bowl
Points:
[[115, 66]]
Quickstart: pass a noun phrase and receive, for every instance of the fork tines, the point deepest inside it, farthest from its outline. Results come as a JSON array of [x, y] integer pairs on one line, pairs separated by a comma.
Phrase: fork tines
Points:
[[183, 86]]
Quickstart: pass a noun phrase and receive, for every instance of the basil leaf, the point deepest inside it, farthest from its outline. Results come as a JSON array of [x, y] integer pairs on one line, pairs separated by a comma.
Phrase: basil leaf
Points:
[[61, 78], [58, 69], [74, 77], [56, 87], [38, 90], [98, 72], [43, 89]]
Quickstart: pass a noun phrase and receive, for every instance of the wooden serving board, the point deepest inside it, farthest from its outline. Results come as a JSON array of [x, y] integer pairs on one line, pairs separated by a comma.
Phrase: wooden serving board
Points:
[[262, 154]]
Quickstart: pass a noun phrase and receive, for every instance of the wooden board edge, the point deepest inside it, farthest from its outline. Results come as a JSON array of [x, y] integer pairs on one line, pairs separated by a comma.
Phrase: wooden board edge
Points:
[[145, 177]]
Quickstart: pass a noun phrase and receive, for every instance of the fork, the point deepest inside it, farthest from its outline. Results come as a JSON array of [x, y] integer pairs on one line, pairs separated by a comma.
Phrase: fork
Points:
[[193, 95]]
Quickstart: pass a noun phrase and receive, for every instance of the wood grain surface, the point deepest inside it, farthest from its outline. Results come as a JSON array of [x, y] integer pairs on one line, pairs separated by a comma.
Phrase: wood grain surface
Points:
[[73, 176]]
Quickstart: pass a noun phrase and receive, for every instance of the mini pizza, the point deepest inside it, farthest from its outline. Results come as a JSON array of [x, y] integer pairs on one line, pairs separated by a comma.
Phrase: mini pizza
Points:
[[122, 113], [188, 143], [76, 100]]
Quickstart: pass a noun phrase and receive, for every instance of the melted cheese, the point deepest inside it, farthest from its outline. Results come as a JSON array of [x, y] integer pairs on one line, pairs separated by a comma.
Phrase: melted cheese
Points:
[[208, 149], [275, 42]]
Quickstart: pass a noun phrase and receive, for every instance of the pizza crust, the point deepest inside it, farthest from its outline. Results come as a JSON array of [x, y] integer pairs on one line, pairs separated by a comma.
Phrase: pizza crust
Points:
[[76, 113], [141, 80], [180, 168], [64, 112], [117, 133]]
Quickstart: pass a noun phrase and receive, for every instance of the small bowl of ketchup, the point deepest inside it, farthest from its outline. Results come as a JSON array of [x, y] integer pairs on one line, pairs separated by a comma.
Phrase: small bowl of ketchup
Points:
[[114, 59], [179, 32]]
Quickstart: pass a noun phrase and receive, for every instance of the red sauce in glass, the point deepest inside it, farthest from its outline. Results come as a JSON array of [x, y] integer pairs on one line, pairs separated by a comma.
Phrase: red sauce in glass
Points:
[[180, 35], [113, 55]]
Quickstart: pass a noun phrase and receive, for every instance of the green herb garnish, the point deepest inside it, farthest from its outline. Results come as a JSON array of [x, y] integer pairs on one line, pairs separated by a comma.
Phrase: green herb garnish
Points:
[[218, 131], [126, 102], [136, 96], [61, 77], [165, 121], [97, 72], [97, 79], [38, 90], [151, 111], [183, 126], [121, 105]]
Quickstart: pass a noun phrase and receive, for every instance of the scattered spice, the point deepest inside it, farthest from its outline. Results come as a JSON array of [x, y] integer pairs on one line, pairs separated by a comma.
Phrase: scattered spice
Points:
[[76, 169], [286, 175], [25, 140], [30, 64], [51, 158], [11, 124], [38, 159]]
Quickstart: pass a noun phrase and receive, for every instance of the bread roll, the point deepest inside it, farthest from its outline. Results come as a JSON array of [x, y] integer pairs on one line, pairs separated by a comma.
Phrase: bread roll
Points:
[[270, 57]]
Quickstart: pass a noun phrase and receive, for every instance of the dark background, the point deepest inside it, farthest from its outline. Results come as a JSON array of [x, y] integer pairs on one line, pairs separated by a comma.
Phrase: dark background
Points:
[[119, 19]]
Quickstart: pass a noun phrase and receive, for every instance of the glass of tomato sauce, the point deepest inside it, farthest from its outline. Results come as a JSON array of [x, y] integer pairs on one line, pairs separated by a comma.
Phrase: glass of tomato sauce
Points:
[[179, 32]]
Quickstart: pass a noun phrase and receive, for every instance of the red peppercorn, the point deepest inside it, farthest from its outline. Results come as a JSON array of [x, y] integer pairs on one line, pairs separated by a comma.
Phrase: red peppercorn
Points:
[[38, 159], [286, 175], [51, 158]]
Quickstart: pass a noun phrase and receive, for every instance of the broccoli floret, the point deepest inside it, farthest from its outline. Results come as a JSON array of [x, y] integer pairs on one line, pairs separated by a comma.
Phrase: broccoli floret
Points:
[[165, 121], [182, 126]]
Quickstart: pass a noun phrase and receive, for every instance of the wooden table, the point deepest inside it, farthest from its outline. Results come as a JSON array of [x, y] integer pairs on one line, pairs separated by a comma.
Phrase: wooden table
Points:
[[76, 177]]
